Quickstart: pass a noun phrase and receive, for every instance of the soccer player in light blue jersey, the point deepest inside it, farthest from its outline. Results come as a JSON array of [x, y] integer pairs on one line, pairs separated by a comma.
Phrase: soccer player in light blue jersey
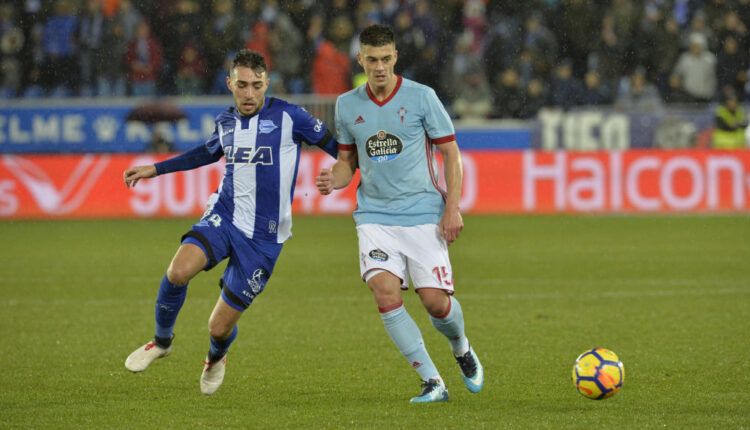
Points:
[[248, 218], [388, 128]]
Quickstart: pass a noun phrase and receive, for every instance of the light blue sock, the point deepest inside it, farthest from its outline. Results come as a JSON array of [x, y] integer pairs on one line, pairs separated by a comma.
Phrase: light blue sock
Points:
[[452, 326], [169, 301], [219, 348], [406, 335]]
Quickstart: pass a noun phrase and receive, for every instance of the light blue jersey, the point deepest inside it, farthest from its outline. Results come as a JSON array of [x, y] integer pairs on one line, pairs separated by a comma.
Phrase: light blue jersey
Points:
[[394, 141]]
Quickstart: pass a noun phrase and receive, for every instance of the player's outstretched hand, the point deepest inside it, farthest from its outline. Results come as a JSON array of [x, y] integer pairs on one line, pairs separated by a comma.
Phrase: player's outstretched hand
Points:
[[324, 181], [451, 224], [134, 174]]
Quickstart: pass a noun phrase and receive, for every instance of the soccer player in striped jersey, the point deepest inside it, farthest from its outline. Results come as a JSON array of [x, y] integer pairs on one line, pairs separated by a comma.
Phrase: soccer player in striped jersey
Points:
[[388, 128], [248, 218]]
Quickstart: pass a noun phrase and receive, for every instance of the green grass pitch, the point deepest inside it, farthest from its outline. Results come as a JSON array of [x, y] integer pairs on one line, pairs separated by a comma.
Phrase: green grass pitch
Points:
[[670, 295]]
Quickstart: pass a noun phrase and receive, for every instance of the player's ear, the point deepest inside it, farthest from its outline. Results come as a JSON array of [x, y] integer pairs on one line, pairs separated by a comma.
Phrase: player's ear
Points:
[[359, 59], [229, 83]]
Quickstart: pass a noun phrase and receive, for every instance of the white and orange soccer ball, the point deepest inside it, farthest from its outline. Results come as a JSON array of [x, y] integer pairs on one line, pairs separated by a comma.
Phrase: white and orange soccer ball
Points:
[[598, 374]]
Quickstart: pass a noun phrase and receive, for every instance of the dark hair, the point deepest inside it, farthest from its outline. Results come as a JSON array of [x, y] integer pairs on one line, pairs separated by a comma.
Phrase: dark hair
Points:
[[376, 35], [251, 59]]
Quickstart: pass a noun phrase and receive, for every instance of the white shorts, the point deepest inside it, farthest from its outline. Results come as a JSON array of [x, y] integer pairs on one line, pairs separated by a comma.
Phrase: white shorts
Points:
[[419, 252]]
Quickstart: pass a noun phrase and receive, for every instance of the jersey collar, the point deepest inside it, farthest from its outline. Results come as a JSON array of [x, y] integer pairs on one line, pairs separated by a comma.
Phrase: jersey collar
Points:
[[390, 96]]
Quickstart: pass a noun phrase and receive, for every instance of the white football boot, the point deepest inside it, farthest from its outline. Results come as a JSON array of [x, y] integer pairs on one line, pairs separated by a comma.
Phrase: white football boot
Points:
[[142, 357], [213, 375]]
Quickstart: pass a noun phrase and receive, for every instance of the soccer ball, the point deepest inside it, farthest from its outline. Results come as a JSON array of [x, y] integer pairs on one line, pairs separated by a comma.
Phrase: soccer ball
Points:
[[598, 374]]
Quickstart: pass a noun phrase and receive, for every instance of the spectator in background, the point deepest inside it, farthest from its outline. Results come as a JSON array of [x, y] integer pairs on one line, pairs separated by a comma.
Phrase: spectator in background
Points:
[[91, 29], [339, 9], [501, 44], [112, 76], [221, 31], [731, 65], [566, 90], [664, 53], [698, 25], [473, 101], [143, 60], [11, 44], [331, 70], [411, 41], [428, 36], [475, 22], [425, 21], [731, 24], [130, 17], [191, 71], [578, 21], [609, 53], [540, 45], [508, 93], [595, 92], [696, 70], [249, 13], [534, 100], [286, 42], [60, 70], [459, 64], [526, 66], [637, 94], [730, 122], [34, 63], [180, 24]]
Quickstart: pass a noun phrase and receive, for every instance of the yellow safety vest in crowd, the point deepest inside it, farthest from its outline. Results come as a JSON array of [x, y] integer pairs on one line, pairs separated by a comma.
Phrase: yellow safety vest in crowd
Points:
[[730, 139]]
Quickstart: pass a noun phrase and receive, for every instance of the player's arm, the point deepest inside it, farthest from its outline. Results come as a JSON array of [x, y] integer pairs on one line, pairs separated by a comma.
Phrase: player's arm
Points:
[[194, 158], [340, 174], [209, 152], [452, 223]]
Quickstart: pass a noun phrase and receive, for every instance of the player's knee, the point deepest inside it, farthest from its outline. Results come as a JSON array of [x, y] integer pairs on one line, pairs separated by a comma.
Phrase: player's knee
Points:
[[219, 330], [179, 275], [386, 298], [437, 304]]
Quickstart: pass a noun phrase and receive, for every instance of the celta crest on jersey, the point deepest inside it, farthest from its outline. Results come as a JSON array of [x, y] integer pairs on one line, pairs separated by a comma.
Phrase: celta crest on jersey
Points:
[[383, 146]]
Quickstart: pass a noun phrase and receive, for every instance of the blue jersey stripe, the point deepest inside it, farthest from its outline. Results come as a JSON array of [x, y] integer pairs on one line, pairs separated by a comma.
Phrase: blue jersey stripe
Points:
[[268, 177]]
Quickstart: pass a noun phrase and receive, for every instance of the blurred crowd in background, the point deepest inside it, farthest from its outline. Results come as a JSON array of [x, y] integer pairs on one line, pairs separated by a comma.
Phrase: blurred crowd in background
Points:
[[485, 59]]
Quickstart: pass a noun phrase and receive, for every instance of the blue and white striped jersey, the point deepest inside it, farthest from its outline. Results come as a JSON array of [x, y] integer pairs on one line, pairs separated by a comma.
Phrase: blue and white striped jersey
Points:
[[262, 156]]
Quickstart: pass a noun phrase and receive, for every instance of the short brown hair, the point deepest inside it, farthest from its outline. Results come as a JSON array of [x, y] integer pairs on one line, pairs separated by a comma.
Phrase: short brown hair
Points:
[[251, 59], [377, 35]]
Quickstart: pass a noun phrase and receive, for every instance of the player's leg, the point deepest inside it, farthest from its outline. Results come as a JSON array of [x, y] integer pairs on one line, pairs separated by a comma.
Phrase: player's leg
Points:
[[386, 289], [188, 261], [446, 316], [430, 268], [222, 329], [450, 322], [249, 269], [383, 269]]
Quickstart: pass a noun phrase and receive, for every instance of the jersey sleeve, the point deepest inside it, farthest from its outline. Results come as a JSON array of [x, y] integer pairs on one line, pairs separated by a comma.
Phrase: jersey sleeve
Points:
[[437, 122], [312, 130], [345, 139], [194, 158], [214, 142]]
